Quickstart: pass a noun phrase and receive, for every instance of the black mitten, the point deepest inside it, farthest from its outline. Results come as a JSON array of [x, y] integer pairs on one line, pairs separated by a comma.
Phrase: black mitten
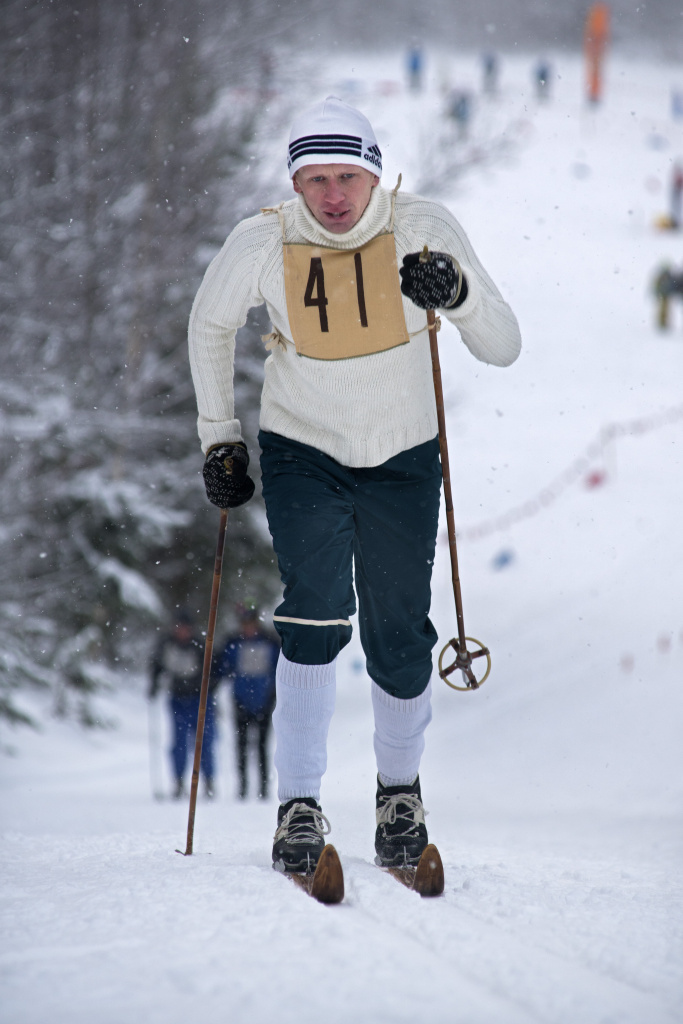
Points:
[[432, 280], [225, 475]]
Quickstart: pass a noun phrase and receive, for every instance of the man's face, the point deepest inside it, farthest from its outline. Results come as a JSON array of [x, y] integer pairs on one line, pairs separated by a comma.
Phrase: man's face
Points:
[[336, 194]]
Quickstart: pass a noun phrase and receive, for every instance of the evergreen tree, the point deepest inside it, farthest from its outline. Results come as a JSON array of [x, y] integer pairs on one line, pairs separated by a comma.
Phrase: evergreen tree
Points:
[[123, 173]]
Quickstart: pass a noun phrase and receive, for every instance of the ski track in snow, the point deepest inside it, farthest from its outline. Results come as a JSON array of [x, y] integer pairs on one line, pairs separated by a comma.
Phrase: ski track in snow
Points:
[[554, 792]]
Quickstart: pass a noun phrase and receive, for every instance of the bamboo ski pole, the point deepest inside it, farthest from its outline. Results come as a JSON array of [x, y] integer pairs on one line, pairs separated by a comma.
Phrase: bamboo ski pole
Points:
[[206, 673], [446, 472], [463, 657]]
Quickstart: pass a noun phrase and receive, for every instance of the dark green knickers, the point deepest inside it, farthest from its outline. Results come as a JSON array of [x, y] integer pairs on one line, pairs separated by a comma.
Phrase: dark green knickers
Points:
[[327, 520]]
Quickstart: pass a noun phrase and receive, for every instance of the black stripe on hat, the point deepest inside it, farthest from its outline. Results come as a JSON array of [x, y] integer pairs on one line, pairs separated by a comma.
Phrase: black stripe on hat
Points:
[[325, 148], [329, 137], [319, 151], [326, 144]]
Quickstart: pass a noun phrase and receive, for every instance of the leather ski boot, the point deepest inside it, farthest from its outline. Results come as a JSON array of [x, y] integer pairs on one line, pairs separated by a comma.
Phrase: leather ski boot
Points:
[[299, 839], [401, 834]]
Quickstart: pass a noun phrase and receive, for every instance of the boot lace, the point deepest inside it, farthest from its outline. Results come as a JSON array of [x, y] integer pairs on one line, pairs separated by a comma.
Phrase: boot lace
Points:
[[303, 825], [412, 816]]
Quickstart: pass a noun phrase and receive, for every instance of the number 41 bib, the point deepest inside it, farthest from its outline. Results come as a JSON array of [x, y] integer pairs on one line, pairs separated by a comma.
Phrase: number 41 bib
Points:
[[343, 303]]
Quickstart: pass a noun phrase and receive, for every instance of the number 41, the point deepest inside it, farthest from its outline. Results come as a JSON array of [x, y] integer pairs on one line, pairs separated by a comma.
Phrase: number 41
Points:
[[316, 279]]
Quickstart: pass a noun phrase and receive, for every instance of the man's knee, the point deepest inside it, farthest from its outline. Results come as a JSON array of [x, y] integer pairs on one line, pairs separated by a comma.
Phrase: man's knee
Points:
[[307, 643]]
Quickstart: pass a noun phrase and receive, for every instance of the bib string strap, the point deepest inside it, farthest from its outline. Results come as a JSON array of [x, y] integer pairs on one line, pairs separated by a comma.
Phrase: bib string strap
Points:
[[280, 214], [437, 325], [274, 339], [394, 193]]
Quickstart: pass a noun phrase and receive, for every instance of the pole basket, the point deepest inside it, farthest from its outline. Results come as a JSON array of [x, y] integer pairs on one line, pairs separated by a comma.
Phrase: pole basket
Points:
[[463, 662]]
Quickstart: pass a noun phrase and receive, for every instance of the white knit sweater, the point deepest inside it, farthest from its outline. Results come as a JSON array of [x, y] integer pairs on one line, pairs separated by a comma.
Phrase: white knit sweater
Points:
[[360, 411]]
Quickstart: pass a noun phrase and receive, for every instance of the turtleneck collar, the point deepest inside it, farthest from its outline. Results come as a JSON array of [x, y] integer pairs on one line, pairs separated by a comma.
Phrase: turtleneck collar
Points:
[[376, 218]]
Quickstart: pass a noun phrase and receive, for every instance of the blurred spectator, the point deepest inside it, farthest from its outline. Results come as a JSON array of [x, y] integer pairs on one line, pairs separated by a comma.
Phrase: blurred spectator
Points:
[[459, 109], [177, 668], [414, 64], [542, 79], [676, 193], [666, 284], [491, 67], [249, 661]]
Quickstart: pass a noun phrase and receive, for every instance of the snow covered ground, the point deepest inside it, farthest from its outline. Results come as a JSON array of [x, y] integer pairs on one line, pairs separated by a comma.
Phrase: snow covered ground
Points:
[[555, 792]]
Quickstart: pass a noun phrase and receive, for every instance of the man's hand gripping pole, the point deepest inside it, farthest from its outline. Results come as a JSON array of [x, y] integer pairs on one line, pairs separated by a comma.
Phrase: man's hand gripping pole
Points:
[[463, 657]]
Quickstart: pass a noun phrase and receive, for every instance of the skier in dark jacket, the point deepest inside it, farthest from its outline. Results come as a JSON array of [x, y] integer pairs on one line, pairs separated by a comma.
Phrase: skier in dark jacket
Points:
[[177, 667], [249, 662]]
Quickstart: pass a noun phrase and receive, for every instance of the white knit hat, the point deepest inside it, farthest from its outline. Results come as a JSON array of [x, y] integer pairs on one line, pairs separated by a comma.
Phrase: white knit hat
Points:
[[332, 132]]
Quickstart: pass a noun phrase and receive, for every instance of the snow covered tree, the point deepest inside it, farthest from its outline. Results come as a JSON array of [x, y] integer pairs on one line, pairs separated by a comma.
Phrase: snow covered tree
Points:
[[126, 129]]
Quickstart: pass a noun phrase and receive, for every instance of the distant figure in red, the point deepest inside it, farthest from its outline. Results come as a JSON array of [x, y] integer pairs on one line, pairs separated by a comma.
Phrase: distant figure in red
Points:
[[595, 39]]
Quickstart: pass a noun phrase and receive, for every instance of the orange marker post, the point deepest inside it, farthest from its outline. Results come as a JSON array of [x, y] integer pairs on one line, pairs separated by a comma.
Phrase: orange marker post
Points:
[[595, 40]]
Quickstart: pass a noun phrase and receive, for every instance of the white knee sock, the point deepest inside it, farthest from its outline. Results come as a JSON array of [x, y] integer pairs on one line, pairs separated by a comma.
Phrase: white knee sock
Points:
[[399, 734], [305, 702]]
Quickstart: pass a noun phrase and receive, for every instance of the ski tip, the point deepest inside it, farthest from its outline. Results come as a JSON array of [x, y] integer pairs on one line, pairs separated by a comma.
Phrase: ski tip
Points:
[[429, 876], [328, 880]]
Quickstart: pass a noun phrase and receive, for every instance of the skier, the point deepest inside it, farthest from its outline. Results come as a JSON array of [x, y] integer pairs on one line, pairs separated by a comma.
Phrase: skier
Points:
[[177, 666], [459, 108], [491, 68], [249, 661], [541, 75], [414, 67], [349, 449], [668, 283]]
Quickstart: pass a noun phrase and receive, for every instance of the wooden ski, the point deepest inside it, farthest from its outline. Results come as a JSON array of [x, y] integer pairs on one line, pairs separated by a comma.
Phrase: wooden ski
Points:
[[326, 884], [427, 877]]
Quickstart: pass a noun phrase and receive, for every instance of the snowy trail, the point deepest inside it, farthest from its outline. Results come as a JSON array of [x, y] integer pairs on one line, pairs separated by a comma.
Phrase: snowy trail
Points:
[[538, 936], [556, 792]]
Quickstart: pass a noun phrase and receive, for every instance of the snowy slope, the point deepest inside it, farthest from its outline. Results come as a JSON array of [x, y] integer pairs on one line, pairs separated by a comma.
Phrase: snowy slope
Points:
[[555, 792]]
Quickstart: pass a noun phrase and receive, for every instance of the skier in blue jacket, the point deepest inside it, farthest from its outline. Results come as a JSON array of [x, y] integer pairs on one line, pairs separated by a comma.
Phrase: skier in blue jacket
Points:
[[249, 660]]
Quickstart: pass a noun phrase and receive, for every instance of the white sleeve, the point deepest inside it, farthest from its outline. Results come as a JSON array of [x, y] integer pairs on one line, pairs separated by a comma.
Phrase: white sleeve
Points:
[[487, 325], [228, 291]]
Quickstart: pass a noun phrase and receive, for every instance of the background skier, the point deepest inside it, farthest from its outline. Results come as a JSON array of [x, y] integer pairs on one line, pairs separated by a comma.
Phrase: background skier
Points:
[[248, 662], [177, 667], [350, 456]]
